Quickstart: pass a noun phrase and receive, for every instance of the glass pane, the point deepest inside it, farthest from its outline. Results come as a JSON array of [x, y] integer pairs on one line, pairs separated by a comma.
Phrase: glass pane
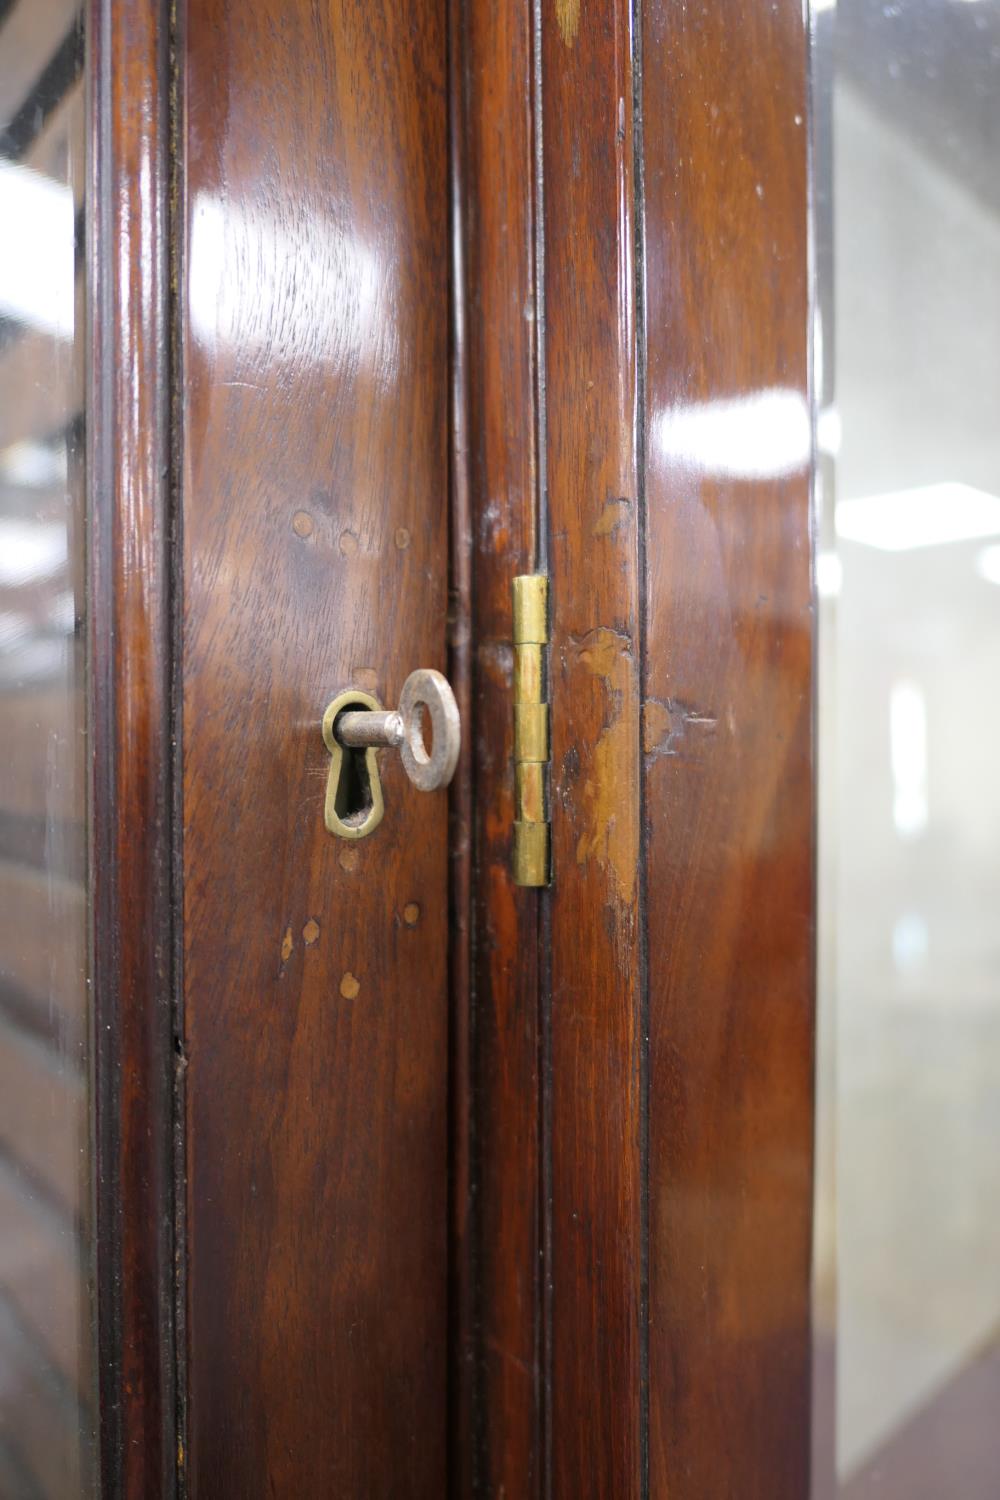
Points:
[[908, 1261], [46, 1386]]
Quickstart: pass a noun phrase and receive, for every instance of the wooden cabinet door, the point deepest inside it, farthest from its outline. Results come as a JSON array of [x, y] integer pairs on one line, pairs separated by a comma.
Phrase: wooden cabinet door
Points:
[[270, 498], [640, 430], [313, 423], [417, 1181]]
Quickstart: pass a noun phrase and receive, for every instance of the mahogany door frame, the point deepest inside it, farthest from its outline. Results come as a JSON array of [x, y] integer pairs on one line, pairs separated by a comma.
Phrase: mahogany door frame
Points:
[[135, 1051]]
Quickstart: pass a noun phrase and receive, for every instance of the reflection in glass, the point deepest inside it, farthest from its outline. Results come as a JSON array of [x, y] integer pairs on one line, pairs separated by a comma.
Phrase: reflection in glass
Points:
[[46, 1394], [908, 1241]]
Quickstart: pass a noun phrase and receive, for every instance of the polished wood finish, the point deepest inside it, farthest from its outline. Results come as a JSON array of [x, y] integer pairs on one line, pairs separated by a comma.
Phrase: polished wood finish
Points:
[[461, 1250], [617, 1229], [130, 738], [675, 1010], [315, 524], [595, 983], [502, 325], [728, 748]]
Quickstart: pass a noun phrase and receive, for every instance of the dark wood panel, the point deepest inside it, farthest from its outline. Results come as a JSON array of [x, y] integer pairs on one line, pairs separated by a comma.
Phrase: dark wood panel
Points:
[[728, 742], [461, 920], [315, 513], [131, 733], [595, 1264], [502, 326]]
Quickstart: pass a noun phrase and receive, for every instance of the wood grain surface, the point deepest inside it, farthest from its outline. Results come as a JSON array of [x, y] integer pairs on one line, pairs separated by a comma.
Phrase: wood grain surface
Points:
[[675, 1008], [315, 515], [130, 741], [502, 324], [728, 748], [626, 1073], [461, 804], [595, 1250]]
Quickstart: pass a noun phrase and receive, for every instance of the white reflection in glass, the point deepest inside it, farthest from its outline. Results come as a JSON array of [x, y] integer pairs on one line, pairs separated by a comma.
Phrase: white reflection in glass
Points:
[[14, 628], [829, 575], [33, 466], [908, 753], [30, 551], [763, 436], [829, 431], [924, 517], [909, 942], [36, 262], [988, 564]]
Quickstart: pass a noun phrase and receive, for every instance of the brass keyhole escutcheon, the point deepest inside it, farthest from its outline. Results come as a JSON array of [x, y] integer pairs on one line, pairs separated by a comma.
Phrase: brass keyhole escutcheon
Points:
[[355, 725], [354, 805]]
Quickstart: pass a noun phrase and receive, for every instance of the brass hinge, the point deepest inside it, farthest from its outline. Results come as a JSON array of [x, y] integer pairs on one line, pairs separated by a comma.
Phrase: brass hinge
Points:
[[532, 861]]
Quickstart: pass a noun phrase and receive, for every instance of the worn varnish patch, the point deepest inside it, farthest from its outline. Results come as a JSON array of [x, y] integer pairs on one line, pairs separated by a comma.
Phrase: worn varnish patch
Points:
[[614, 514], [593, 1058], [608, 803], [568, 17]]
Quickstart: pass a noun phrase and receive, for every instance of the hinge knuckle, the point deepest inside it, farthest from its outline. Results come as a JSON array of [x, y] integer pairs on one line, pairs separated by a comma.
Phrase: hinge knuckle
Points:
[[532, 855]]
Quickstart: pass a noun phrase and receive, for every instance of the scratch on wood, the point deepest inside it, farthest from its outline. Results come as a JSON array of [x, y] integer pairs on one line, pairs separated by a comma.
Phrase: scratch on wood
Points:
[[510, 1358], [609, 796], [568, 16], [665, 725]]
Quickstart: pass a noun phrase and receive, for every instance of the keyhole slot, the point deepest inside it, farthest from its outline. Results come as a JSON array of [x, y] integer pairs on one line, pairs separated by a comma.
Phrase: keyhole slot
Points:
[[353, 800], [354, 804]]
